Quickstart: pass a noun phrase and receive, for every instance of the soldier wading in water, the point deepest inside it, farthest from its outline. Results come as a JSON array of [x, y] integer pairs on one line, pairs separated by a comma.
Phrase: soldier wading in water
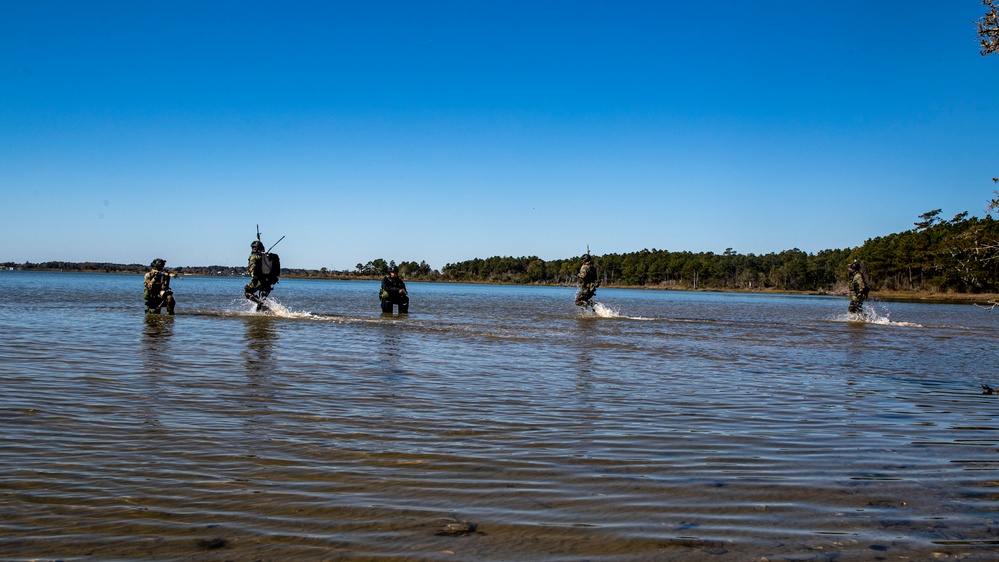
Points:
[[264, 269], [858, 289], [393, 291], [157, 288], [588, 282]]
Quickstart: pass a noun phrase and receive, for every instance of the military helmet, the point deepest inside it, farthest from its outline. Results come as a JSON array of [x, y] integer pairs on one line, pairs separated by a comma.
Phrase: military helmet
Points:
[[586, 258], [257, 246], [158, 263], [394, 269], [854, 266]]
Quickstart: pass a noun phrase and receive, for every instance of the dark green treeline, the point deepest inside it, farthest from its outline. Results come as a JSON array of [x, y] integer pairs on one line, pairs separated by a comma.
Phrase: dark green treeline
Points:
[[789, 270], [957, 255], [960, 255]]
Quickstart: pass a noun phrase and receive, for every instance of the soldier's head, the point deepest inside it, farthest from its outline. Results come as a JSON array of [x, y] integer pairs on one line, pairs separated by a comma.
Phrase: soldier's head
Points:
[[393, 271], [587, 258], [854, 267], [257, 246], [158, 263]]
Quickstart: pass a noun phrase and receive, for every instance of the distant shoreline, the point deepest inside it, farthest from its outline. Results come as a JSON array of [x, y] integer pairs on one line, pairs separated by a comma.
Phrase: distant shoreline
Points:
[[933, 297]]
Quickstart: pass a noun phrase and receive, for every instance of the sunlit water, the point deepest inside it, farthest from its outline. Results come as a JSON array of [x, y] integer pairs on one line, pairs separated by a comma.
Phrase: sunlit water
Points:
[[656, 426]]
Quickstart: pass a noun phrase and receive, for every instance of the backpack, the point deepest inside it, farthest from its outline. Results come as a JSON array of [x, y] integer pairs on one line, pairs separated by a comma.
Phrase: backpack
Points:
[[270, 267]]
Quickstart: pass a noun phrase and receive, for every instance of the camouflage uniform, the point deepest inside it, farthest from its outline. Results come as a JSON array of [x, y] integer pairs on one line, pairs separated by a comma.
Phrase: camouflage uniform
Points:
[[157, 289], [858, 290], [393, 291], [258, 282], [588, 282]]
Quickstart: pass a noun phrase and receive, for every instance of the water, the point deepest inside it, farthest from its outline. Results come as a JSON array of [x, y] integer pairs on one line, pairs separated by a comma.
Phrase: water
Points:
[[660, 426]]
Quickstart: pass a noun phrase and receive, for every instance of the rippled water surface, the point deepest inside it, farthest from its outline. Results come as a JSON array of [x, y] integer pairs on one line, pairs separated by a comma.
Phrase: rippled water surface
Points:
[[492, 423]]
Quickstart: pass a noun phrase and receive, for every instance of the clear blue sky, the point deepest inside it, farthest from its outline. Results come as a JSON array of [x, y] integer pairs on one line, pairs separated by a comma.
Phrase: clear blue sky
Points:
[[444, 131]]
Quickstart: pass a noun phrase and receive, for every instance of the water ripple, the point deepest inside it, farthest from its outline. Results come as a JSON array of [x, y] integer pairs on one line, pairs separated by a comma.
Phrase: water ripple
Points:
[[674, 426]]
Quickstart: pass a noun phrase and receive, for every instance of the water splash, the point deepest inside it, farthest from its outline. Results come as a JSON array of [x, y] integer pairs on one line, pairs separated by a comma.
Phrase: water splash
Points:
[[871, 315], [275, 308], [604, 311]]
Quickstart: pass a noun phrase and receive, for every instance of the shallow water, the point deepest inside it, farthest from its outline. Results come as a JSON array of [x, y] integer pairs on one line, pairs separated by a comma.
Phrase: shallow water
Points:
[[661, 426]]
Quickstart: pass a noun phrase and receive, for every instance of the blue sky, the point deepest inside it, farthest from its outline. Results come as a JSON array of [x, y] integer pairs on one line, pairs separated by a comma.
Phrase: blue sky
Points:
[[444, 131]]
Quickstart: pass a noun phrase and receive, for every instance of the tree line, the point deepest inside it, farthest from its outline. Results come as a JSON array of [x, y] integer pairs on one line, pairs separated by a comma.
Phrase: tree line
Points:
[[957, 255]]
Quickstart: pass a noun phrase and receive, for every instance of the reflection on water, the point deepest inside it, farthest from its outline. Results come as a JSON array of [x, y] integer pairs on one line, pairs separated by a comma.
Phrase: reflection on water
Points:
[[677, 426], [155, 379], [261, 335], [156, 340], [389, 350]]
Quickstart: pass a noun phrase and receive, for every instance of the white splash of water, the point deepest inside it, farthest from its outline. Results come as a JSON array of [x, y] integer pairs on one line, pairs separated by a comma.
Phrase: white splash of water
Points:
[[604, 311], [274, 307], [871, 315]]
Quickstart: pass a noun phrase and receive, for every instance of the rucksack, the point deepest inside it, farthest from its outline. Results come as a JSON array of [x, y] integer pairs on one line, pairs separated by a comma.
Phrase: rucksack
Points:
[[270, 267]]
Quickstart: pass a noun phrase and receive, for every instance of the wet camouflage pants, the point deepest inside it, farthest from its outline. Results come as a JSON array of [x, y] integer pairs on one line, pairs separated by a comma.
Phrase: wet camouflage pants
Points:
[[254, 286], [586, 292], [155, 303]]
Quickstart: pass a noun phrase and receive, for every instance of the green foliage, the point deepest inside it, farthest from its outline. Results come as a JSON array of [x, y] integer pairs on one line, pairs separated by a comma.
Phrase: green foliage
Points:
[[957, 255], [988, 29], [407, 269], [960, 255], [790, 270]]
